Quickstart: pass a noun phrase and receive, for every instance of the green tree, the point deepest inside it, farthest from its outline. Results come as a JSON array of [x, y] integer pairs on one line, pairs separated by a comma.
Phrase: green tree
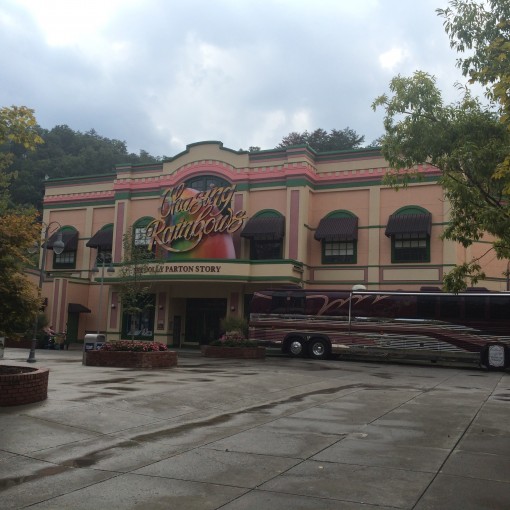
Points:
[[66, 153], [484, 30], [18, 227], [467, 141], [20, 301], [322, 141], [18, 128], [134, 291]]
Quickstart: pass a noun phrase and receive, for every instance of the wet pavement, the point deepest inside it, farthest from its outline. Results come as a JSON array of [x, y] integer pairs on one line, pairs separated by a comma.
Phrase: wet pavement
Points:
[[266, 434]]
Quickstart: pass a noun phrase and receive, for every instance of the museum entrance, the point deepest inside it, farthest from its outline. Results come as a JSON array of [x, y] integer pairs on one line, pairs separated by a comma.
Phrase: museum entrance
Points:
[[203, 318]]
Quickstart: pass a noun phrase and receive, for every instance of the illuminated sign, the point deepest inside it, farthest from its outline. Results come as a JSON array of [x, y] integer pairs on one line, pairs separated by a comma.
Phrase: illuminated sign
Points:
[[189, 218]]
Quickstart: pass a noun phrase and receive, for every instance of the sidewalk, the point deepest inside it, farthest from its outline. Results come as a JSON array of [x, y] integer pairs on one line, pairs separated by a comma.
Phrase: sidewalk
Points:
[[275, 434]]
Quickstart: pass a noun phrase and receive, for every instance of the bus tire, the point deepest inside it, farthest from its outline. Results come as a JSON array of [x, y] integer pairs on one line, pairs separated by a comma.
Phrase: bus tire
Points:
[[295, 347], [319, 349]]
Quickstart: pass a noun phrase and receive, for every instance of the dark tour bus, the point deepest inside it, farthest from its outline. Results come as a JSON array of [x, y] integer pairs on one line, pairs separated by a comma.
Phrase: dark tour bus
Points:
[[472, 327]]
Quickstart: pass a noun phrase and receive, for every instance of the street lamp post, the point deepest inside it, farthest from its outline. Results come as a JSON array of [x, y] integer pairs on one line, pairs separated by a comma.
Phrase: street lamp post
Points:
[[58, 248], [102, 257]]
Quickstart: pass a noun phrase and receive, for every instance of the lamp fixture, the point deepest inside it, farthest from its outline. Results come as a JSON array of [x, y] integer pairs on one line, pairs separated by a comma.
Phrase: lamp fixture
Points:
[[101, 256], [58, 248]]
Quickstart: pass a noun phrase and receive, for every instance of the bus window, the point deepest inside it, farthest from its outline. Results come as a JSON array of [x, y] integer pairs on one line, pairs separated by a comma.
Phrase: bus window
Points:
[[499, 308], [288, 303], [474, 307], [393, 307], [330, 304], [449, 308], [260, 303], [315, 303], [279, 303], [427, 306], [296, 303]]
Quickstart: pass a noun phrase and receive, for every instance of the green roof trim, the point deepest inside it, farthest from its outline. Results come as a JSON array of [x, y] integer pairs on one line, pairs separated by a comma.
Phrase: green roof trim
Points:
[[110, 176], [140, 167], [78, 204]]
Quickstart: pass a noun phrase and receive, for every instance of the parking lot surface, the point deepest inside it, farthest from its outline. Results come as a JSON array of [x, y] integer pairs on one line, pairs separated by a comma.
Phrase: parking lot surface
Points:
[[267, 434]]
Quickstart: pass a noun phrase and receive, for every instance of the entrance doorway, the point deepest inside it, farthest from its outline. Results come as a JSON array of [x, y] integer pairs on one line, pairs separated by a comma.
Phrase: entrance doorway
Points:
[[203, 318], [72, 326]]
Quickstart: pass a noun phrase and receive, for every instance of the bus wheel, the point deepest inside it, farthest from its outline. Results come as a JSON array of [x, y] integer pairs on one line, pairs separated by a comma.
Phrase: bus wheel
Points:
[[319, 349], [296, 347]]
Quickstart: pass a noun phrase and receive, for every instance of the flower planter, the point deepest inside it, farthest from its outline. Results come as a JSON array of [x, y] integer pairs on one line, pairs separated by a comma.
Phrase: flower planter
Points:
[[218, 351], [22, 385], [130, 359]]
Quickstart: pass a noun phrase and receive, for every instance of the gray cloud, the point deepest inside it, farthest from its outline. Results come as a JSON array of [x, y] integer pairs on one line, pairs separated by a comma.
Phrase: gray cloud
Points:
[[161, 74]]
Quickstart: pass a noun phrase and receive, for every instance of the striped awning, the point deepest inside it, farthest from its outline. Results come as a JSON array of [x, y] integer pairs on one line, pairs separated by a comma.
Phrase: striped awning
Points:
[[265, 228], [337, 229], [102, 239], [77, 308], [409, 224]]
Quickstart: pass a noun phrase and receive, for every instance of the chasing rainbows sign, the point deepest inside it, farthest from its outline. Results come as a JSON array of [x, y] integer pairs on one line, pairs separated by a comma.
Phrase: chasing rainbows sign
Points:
[[189, 217]]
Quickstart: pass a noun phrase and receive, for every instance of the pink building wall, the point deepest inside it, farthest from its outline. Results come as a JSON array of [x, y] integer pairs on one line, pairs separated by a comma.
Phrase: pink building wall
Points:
[[316, 187]]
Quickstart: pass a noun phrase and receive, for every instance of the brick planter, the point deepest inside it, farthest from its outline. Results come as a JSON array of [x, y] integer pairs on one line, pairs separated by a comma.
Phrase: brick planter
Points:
[[217, 351], [129, 359], [22, 385]]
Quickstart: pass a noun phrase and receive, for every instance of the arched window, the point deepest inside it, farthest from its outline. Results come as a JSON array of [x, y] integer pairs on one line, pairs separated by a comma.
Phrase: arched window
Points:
[[205, 182], [265, 231], [102, 240], [141, 240], [338, 232], [66, 259], [409, 230]]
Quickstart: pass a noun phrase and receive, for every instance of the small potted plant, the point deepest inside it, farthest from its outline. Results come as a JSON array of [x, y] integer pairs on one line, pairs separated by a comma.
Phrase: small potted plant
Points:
[[234, 342]]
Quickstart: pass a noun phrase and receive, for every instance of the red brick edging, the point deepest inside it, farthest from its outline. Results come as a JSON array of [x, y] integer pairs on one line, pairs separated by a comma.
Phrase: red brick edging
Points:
[[217, 351], [130, 359], [23, 388]]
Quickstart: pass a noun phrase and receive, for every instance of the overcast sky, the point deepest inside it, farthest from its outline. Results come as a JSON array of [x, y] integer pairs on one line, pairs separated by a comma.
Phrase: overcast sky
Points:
[[161, 74]]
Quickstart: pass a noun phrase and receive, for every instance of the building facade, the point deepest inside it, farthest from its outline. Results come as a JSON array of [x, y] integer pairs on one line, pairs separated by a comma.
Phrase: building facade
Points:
[[215, 225]]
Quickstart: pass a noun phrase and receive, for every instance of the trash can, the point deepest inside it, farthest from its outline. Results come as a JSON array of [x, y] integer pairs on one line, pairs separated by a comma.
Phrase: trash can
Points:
[[93, 341]]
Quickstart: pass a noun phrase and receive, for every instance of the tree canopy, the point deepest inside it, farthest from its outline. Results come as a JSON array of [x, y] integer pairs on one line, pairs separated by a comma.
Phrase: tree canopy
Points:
[[468, 141], [65, 153], [135, 292], [18, 227], [322, 141]]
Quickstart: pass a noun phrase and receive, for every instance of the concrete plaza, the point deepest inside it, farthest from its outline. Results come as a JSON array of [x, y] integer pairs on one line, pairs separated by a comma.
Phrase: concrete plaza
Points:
[[269, 434]]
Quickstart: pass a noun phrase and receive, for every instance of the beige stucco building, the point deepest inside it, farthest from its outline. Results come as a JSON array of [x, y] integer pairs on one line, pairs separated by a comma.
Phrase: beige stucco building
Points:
[[220, 224]]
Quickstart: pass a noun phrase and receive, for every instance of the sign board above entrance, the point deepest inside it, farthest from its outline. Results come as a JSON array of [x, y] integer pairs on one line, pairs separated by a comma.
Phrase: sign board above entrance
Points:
[[182, 268], [189, 218]]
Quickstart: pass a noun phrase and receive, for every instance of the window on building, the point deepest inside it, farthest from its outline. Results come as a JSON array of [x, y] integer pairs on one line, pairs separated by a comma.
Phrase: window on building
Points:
[[140, 325], [266, 233], [265, 250], [410, 247], [409, 230], [102, 240], [66, 259], [104, 256], [205, 182], [340, 252], [338, 233], [142, 241]]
